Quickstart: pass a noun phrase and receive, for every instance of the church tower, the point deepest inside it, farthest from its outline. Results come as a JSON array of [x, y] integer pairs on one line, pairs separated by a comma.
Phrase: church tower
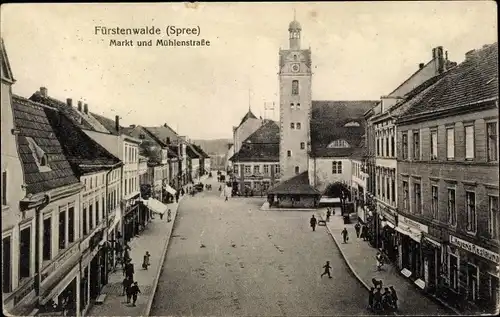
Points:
[[295, 105]]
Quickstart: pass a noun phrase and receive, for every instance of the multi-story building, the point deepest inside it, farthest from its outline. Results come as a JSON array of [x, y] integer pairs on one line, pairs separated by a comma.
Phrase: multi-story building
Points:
[[205, 161], [45, 261], [256, 164], [448, 184], [195, 166]]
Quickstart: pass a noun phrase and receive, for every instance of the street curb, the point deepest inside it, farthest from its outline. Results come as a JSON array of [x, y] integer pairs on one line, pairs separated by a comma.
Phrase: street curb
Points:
[[344, 257], [162, 260]]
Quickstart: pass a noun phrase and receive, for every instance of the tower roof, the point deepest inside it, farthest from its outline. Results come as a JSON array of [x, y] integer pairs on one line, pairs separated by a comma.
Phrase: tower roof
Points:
[[294, 26], [248, 115]]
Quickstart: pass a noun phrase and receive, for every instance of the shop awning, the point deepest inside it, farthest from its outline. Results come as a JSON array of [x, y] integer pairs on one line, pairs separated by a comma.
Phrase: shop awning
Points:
[[169, 189], [412, 234], [156, 206], [387, 223]]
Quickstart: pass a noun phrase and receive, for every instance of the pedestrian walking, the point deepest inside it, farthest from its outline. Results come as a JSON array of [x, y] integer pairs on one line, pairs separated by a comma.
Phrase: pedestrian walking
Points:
[[377, 300], [327, 268], [134, 292], [328, 214], [161, 216], [169, 215], [394, 297], [313, 222], [225, 199], [145, 262], [357, 227], [370, 297], [129, 270], [380, 261], [126, 284], [345, 235]]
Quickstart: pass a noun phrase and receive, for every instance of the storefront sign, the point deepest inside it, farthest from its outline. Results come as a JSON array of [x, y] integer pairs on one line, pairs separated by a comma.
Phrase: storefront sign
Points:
[[482, 252], [96, 238], [68, 278], [412, 223]]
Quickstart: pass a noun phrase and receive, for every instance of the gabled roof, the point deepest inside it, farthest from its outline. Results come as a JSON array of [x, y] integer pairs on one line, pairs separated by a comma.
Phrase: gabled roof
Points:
[[269, 132], [327, 124], [248, 115], [472, 81], [163, 132], [109, 124], [6, 70], [200, 151], [260, 146], [83, 153], [298, 185], [149, 139], [257, 152], [37, 134]]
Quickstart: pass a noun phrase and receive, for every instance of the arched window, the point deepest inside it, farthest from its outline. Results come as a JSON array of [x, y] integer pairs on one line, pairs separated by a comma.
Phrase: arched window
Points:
[[298, 126], [352, 124], [295, 87], [338, 144], [298, 106], [291, 106], [296, 169]]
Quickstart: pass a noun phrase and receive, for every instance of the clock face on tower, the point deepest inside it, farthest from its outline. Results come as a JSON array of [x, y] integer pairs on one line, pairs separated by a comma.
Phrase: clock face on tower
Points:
[[295, 68]]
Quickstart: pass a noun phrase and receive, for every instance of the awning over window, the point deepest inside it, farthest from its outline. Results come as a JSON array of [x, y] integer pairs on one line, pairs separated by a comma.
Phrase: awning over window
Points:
[[156, 206], [412, 234], [387, 223], [169, 189]]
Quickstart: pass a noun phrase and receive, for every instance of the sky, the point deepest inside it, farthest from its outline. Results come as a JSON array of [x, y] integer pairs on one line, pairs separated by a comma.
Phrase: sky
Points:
[[360, 51]]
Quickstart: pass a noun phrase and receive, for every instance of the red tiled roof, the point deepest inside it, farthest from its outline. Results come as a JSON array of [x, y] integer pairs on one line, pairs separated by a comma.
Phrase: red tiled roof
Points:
[[31, 120], [298, 185], [474, 80], [327, 125]]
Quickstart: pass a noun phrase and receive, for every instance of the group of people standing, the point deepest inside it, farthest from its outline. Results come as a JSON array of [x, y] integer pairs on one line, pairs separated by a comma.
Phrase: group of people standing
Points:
[[385, 301], [130, 287]]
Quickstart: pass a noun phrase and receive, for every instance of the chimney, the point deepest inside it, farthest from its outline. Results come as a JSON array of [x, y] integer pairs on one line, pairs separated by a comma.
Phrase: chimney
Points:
[[132, 126], [421, 65], [69, 102], [469, 54], [446, 55], [86, 108], [165, 125], [79, 106], [117, 123], [437, 54], [44, 92]]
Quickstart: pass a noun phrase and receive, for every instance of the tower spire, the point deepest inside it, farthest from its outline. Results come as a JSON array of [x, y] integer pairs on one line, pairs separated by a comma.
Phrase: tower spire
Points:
[[294, 14], [249, 104]]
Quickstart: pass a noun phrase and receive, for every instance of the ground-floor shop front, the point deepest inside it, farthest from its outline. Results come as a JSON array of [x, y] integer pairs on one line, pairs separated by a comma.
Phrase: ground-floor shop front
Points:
[[131, 218], [471, 277]]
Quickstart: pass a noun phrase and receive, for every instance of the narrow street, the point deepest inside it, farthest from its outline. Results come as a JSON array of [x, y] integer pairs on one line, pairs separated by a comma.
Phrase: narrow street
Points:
[[230, 258]]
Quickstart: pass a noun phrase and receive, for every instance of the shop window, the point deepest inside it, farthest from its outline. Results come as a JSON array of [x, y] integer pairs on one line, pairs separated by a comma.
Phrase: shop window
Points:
[[84, 221], [472, 282], [47, 239], [71, 224], [6, 265], [416, 145], [492, 141], [450, 143], [62, 229], [453, 272], [493, 288], [493, 216], [470, 198], [404, 146], [434, 202], [434, 147], [25, 253], [469, 142], [295, 87]]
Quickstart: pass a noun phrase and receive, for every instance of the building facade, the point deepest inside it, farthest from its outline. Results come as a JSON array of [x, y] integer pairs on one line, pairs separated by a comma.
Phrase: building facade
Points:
[[448, 185]]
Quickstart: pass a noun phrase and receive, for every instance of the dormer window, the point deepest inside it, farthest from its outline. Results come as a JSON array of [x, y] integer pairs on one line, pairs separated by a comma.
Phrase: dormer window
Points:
[[41, 158], [352, 124], [142, 136], [338, 144]]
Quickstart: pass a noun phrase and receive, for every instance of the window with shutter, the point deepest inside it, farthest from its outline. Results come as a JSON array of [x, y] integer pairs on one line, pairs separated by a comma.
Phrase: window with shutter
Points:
[[450, 143], [469, 142]]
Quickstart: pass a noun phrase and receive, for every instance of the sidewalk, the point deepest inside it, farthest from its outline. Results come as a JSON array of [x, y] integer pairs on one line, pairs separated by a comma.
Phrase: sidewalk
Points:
[[360, 257], [155, 239]]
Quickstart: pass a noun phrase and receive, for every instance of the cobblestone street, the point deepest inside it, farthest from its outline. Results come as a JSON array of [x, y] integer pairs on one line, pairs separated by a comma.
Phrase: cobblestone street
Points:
[[230, 258]]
